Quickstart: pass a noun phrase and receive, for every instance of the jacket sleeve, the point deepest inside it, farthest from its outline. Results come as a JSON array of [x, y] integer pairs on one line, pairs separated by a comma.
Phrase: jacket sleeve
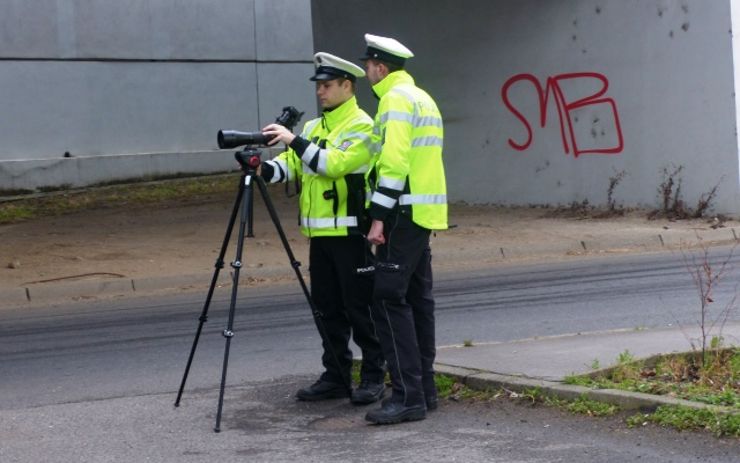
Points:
[[286, 165], [348, 153], [394, 121], [282, 168]]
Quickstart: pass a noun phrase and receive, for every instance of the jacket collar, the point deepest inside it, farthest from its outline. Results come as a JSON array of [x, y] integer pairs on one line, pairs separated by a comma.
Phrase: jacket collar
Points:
[[391, 80], [335, 116]]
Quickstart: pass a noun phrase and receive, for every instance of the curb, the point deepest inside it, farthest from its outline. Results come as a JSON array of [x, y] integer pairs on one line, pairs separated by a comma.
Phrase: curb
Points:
[[626, 400], [669, 240]]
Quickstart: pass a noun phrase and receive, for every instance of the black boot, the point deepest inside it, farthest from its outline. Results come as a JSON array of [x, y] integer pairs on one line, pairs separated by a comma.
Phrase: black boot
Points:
[[431, 402], [396, 412], [367, 393], [321, 390]]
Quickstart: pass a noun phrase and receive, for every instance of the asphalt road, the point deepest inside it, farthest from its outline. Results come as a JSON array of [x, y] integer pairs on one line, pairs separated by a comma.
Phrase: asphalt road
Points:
[[117, 364]]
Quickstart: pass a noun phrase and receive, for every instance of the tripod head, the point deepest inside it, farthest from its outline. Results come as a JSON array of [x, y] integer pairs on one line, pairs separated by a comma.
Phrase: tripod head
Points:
[[249, 159]]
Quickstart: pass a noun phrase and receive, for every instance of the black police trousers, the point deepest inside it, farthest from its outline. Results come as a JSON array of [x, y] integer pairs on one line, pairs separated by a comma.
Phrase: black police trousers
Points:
[[403, 309], [343, 296]]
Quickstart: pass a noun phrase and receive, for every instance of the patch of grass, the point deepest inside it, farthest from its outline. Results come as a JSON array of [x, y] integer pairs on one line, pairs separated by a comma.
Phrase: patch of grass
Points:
[[130, 195], [15, 213], [354, 373], [445, 385], [716, 382], [577, 380], [449, 388], [625, 358], [588, 407], [685, 418], [677, 376], [583, 406]]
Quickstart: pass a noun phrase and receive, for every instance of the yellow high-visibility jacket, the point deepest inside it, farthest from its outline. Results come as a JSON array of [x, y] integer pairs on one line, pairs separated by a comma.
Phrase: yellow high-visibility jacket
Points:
[[407, 141], [331, 157]]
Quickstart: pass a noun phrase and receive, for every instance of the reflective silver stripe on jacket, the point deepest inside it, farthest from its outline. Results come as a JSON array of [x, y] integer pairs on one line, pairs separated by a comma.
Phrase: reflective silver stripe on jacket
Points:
[[312, 152], [329, 222], [428, 121], [397, 116], [279, 170], [421, 199], [361, 169], [309, 153], [426, 141], [309, 128], [323, 159], [392, 183], [383, 200], [364, 138], [404, 93], [413, 119]]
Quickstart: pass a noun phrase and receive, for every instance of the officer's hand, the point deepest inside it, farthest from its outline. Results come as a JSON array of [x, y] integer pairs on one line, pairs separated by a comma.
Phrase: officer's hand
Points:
[[375, 235], [280, 134]]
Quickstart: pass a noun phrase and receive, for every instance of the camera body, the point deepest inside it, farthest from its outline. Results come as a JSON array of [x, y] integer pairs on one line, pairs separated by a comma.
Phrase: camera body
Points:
[[233, 138]]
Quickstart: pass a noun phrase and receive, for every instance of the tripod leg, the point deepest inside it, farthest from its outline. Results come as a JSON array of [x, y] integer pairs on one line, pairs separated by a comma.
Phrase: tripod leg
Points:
[[250, 219], [219, 265], [228, 333], [296, 267]]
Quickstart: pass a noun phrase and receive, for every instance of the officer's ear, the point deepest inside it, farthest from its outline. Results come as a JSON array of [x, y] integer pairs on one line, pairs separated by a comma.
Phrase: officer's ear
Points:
[[347, 85]]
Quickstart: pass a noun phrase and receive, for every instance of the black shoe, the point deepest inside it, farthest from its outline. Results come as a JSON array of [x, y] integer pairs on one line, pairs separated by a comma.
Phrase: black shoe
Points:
[[395, 412], [432, 403], [367, 393], [321, 390]]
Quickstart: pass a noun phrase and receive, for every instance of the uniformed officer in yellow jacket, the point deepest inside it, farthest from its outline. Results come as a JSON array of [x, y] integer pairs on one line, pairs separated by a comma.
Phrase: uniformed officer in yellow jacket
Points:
[[408, 202], [331, 157]]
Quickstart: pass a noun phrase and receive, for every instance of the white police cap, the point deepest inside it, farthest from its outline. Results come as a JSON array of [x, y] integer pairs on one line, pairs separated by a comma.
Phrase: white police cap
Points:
[[330, 67], [386, 49]]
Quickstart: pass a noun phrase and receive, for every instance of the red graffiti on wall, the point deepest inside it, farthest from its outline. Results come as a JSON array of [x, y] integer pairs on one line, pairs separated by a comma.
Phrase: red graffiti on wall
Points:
[[565, 110]]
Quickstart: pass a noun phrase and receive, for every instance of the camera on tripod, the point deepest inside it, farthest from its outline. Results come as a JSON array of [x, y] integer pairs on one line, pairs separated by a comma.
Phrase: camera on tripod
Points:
[[233, 138], [249, 160]]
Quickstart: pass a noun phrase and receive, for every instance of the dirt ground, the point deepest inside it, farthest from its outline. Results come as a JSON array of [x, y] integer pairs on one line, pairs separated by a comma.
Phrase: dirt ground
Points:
[[184, 237]]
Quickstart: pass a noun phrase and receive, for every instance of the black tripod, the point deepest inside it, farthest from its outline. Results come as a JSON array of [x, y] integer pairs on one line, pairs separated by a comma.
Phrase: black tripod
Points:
[[249, 160]]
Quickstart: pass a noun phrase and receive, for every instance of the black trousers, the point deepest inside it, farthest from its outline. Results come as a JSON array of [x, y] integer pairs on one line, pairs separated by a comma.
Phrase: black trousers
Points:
[[403, 309], [344, 296]]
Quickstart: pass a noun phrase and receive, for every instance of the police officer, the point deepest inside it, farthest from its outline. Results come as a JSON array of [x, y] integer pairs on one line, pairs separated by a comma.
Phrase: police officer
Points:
[[331, 157], [409, 201]]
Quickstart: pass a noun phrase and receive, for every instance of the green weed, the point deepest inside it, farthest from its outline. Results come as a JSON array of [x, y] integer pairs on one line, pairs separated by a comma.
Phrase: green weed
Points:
[[584, 406], [689, 418]]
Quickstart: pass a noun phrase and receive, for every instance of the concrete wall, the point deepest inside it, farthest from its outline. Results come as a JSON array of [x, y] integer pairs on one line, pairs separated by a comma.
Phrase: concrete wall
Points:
[[735, 11], [124, 85], [669, 101]]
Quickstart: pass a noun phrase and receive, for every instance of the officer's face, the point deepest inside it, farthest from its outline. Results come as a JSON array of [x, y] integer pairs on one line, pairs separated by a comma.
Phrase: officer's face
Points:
[[332, 93], [374, 71]]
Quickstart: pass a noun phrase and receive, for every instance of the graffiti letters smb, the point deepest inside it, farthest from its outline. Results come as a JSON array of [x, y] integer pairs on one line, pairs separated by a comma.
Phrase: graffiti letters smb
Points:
[[565, 109]]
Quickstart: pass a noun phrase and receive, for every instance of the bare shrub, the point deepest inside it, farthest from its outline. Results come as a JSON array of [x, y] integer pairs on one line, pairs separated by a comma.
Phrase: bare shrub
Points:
[[706, 276]]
